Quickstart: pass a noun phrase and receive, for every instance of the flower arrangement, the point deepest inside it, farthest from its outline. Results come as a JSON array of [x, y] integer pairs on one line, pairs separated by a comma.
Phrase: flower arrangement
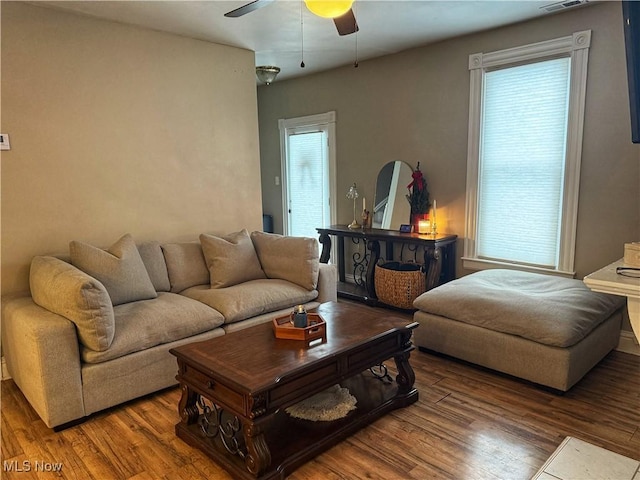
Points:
[[418, 195]]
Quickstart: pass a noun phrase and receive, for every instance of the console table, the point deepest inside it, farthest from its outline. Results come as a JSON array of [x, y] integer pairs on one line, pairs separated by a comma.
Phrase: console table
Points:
[[437, 252]]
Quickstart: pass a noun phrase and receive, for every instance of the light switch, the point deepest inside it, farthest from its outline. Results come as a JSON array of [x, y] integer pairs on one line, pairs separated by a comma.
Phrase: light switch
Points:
[[4, 141], [277, 181]]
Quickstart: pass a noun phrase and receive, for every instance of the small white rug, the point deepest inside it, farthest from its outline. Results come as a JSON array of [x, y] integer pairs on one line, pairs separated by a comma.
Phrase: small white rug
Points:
[[331, 404], [576, 459]]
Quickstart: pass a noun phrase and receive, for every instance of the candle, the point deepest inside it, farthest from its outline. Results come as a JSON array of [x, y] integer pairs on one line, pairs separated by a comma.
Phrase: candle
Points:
[[364, 204], [423, 226], [434, 210]]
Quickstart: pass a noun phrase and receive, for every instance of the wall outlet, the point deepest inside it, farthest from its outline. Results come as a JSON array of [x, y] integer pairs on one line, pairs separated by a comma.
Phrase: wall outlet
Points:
[[4, 141]]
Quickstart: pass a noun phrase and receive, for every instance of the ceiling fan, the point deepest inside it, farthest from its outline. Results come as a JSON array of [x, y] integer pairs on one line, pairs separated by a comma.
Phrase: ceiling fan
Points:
[[339, 11]]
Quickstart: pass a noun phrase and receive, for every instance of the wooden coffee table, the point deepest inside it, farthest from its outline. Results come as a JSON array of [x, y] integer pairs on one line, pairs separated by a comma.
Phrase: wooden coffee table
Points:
[[235, 388]]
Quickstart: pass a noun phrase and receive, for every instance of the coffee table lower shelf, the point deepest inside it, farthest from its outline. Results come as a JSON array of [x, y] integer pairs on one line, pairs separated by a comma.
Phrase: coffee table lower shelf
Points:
[[293, 442]]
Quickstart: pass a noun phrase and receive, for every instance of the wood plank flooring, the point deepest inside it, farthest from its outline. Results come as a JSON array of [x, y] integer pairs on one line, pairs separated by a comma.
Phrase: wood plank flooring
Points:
[[469, 423]]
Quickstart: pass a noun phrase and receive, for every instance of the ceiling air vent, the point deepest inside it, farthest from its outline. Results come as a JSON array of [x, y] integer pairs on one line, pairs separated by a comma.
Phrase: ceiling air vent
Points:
[[554, 7]]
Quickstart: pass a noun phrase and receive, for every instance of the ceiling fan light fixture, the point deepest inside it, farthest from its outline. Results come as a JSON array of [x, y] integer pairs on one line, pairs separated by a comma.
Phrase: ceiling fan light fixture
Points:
[[329, 8], [267, 73]]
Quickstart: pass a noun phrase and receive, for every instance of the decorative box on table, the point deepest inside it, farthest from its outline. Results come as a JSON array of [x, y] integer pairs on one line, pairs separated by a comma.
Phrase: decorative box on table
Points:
[[316, 328]]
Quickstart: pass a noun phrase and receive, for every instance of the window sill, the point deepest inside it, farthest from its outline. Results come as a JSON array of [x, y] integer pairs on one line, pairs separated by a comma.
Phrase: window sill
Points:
[[481, 264]]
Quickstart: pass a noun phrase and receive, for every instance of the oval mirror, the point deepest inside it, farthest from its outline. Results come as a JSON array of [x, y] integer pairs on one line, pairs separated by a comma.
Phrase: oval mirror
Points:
[[391, 207]]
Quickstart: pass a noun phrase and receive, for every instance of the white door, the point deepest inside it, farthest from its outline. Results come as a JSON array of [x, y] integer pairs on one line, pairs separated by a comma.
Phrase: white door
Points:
[[307, 169]]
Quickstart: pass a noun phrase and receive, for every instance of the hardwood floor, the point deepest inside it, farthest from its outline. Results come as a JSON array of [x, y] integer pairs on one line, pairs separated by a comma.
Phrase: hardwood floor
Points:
[[469, 423]]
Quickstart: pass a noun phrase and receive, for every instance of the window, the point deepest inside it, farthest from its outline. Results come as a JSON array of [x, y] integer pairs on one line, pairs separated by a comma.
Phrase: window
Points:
[[308, 163], [525, 143]]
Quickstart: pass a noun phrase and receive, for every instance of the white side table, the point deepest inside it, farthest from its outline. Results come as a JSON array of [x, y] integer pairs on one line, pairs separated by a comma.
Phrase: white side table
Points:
[[606, 280]]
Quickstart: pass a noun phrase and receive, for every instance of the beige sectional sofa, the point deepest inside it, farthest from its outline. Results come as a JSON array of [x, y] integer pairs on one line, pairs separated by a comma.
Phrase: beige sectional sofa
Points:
[[98, 326]]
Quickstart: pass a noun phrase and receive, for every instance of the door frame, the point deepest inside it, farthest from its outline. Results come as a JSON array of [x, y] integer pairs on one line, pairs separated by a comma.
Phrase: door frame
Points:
[[327, 120]]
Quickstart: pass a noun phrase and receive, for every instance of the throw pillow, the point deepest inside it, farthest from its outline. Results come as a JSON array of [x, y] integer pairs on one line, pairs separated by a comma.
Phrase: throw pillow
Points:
[[63, 289], [186, 265], [120, 269], [231, 259], [153, 259], [295, 259]]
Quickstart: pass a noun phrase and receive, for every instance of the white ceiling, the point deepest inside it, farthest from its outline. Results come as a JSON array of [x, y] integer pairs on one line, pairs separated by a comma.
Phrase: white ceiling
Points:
[[275, 32]]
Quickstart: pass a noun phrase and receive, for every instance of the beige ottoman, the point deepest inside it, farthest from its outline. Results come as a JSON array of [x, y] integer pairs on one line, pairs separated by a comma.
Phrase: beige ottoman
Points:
[[545, 329]]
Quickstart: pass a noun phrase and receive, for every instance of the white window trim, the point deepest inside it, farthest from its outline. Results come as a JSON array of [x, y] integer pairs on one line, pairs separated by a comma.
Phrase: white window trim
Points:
[[576, 46], [284, 124]]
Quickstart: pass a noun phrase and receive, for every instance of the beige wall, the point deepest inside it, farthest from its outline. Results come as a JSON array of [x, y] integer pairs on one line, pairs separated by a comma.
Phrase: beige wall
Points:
[[413, 106], [118, 129]]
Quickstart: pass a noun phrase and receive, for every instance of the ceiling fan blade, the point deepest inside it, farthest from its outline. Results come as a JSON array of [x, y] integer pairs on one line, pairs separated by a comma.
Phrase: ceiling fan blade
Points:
[[346, 24], [248, 8]]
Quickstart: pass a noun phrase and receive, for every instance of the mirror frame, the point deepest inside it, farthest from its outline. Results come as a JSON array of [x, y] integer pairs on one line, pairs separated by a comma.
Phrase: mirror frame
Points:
[[390, 205]]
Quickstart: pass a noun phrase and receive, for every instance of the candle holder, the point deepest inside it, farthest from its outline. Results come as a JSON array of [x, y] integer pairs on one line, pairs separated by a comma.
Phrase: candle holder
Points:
[[434, 227], [366, 218], [353, 194]]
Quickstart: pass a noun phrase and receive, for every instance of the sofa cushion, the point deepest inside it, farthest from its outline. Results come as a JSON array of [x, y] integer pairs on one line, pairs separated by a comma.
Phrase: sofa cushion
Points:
[[145, 324], [153, 259], [251, 298], [63, 289], [185, 265], [295, 259], [120, 269], [231, 259], [549, 310]]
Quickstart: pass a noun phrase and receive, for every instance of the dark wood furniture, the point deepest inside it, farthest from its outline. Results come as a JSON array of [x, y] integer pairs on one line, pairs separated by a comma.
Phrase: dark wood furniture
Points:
[[235, 388], [437, 252]]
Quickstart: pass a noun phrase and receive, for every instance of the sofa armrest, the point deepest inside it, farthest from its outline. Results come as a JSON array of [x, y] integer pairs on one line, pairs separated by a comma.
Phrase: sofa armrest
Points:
[[42, 355], [327, 283]]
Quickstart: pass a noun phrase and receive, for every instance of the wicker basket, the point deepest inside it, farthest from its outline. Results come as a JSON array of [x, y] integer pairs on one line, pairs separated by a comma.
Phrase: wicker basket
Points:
[[399, 284]]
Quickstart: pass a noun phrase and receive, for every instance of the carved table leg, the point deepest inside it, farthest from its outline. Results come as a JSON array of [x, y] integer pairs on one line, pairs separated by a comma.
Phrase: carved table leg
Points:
[[258, 457], [433, 264], [325, 240], [406, 376], [188, 408], [374, 248], [340, 259]]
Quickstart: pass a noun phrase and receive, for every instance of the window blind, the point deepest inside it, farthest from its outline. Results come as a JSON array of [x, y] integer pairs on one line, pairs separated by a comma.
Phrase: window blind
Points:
[[307, 182], [522, 159]]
